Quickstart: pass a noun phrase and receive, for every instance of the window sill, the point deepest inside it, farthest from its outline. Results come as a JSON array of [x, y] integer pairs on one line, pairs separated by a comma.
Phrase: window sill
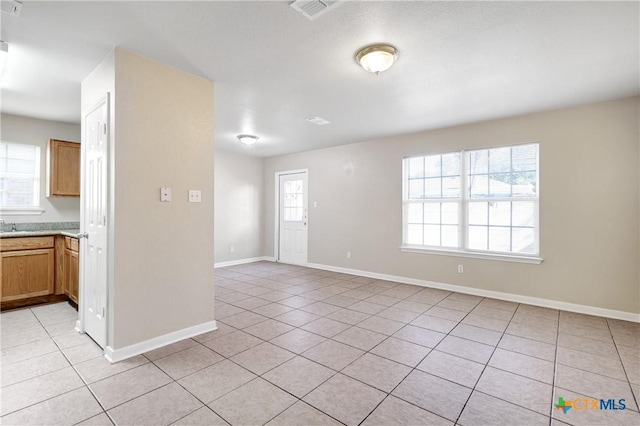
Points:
[[21, 211], [474, 255]]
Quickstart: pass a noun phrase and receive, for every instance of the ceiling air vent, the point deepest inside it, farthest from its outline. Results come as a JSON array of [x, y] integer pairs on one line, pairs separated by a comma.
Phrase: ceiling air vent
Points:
[[11, 7], [311, 9], [318, 120]]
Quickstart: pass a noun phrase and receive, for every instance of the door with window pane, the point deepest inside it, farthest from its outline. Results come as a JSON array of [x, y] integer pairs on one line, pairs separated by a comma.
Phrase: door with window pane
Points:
[[292, 213]]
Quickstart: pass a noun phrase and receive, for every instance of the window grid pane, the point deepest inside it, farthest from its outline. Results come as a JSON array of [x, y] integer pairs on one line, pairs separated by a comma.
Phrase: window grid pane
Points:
[[432, 180], [19, 175], [503, 172], [509, 226], [500, 200], [432, 223], [497, 179], [293, 201]]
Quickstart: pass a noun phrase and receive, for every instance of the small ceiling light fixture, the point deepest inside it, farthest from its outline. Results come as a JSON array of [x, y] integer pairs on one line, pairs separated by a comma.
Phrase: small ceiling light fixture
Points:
[[248, 139], [377, 58]]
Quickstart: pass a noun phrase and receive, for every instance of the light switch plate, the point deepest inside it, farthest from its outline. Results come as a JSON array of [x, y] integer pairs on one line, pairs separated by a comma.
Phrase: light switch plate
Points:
[[195, 196], [165, 195]]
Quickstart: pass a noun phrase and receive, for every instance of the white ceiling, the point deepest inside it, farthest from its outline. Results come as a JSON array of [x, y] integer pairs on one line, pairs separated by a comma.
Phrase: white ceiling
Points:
[[459, 62]]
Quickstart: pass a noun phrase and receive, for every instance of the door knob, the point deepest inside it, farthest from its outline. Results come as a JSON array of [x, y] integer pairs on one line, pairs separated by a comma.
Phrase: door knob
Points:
[[83, 235]]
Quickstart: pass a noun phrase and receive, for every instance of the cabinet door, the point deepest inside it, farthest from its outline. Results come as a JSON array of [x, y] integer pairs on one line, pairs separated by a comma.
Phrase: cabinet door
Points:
[[71, 274], [63, 168], [66, 272], [27, 273], [75, 277]]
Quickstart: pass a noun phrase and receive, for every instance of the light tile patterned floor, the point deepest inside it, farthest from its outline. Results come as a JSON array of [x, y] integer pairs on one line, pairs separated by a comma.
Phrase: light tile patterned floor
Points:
[[304, 346]]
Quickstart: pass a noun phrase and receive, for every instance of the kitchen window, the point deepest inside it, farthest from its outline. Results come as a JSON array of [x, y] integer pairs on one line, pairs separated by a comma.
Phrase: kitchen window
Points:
[[474, 203], [19, 178]]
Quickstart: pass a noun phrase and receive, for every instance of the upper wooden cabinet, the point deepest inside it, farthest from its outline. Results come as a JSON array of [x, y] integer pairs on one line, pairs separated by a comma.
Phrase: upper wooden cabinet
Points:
[[63, 168]]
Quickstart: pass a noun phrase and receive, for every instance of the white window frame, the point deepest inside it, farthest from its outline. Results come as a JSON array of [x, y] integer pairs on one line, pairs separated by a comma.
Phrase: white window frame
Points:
[[35, 208], [463, 206]]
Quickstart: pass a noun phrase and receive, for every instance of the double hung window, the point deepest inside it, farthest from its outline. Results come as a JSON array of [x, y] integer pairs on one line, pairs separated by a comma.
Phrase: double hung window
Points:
[[475, 201], [19, 176]]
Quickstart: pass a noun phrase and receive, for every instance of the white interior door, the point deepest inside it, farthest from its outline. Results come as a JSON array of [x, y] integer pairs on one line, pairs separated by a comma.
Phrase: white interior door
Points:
[[94, 205], [292, 213]]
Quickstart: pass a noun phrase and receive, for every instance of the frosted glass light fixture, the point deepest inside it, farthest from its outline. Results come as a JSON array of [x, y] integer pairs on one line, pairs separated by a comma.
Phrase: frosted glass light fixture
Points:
[[377, 58], [248, 139]]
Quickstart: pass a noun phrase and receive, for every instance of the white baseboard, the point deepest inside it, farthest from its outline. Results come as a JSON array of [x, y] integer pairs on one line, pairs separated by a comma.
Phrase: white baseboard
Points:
[[116, 355], [547, 303], [242, 261]]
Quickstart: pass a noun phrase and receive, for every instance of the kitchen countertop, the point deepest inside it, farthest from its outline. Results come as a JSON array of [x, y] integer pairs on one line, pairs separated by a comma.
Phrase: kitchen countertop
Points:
[[41, 233]]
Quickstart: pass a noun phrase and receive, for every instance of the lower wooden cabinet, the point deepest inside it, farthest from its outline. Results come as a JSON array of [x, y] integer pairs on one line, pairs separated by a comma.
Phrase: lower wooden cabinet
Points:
[[27, 268], [71, 269], [38, 266]]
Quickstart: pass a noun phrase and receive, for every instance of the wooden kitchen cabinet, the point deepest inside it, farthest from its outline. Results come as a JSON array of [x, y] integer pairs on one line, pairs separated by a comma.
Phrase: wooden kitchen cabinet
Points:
[[71, 269], [63, 168], [27, 267]]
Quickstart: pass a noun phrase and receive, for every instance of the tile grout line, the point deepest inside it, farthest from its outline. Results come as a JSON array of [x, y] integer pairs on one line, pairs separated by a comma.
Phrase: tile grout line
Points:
[[86, 385], [555, 368], [556, 363], [459, 322], [486, 364], [260, 376], [267, 276], [633, 394], [204, 405], [416, 368], [424, 313], [400, 382], [253, 379], [70, 365], [359, 357]]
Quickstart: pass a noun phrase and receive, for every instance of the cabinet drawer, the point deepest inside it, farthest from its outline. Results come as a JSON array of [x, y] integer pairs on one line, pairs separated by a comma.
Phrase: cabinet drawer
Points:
[[71, 244], [26, 243]]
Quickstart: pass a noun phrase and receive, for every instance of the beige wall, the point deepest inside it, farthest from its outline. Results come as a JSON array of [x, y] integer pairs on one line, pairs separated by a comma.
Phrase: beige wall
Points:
[[589, 205], [32, 131], [163, 251], [238, 206], [161, 277]]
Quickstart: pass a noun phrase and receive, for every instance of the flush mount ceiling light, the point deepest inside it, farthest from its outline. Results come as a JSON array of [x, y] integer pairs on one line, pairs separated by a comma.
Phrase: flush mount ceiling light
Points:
[[248, 139], [377, 58]]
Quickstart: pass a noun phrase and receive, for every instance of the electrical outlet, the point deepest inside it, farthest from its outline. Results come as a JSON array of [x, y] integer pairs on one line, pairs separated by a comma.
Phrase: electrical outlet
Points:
[[195, 196], [165, 194], [460, 269], [232, 249], [348, 255]]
